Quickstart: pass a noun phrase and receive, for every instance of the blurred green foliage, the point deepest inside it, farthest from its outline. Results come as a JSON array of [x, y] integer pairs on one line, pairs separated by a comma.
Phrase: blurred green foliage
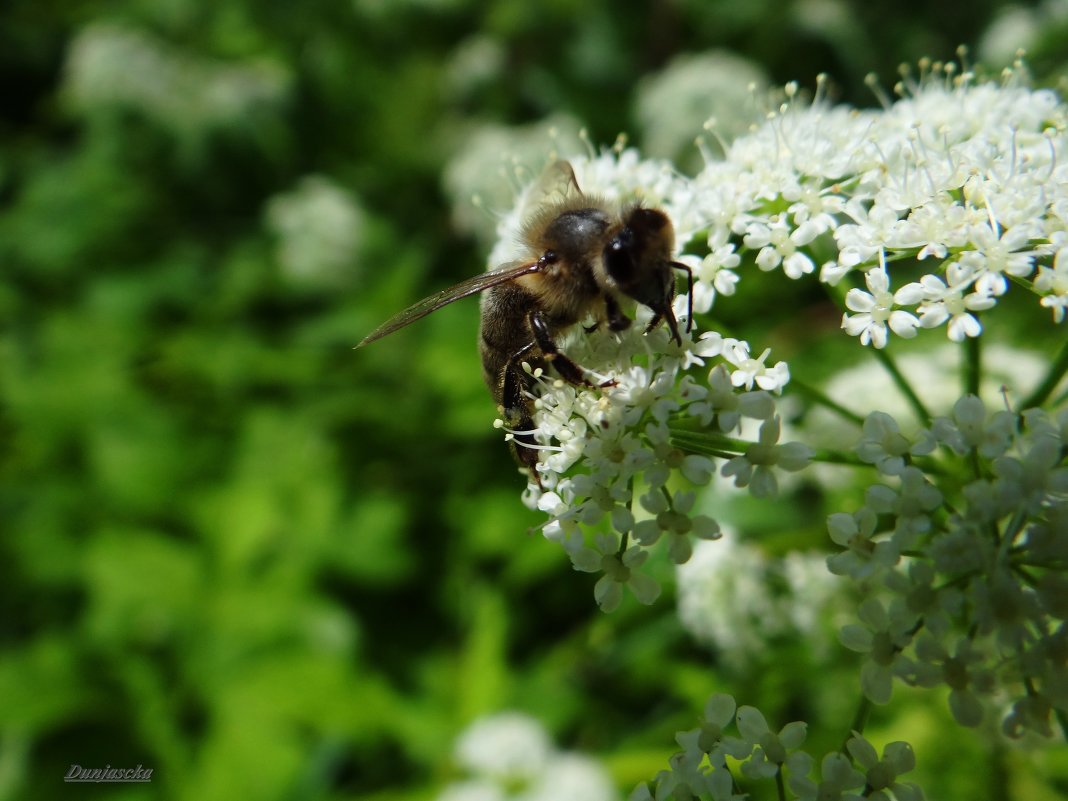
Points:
[[236, 551]]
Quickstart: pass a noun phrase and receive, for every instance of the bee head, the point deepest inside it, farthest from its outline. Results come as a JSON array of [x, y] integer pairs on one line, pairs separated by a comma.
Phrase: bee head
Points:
[[638, 260]]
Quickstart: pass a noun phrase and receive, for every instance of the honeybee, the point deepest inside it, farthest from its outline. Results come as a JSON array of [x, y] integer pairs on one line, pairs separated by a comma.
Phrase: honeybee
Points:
[[582, 257]]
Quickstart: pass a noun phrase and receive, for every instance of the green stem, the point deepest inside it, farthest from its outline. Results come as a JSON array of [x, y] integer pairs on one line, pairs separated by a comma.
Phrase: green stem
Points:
[[819, 397], [1012, 530], [829, 456], [1062, 719], [723, 447], [903, 385], [700, 448], [1049, 383], [1045, 564], [971, 365], [709, 444], [860, 720], [667, 495], [779, 784]]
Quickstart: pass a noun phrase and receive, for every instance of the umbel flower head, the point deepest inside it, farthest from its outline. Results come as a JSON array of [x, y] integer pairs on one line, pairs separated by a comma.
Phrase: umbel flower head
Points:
[[975, 595], [759, 755], [609, 455], [940, 200], [509, 757], [921, 215]]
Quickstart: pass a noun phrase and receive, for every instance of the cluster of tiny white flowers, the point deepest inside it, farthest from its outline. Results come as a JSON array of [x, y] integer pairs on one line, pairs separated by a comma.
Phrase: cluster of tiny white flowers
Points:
[[971, 573], [962, 175], [609, 454], [480, 187], [922, 215], [940, 201], [716, 89], [110, 65], [510, 757], [319, 228], [769, 599], [758, 753]]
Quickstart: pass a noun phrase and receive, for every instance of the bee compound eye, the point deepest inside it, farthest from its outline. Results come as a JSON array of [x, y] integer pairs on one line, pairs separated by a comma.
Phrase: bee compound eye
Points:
[[619, 260]]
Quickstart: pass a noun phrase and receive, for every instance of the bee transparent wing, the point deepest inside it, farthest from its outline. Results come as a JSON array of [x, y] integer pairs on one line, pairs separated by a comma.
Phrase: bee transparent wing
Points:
[[556, 184], [472, 286]]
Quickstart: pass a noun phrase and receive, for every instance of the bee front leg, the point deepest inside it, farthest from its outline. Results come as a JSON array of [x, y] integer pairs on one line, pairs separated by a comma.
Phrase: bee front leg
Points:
[[571, 372], [617, 320], [515, 386], [516, 405]]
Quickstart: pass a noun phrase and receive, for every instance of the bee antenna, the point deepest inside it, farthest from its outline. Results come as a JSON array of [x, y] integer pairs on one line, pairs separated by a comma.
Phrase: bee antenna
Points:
[[678, 265]]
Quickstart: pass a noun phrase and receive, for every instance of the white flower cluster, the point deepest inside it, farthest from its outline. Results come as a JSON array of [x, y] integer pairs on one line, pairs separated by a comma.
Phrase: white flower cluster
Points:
[[770, 599], [918, 216], [478, 185], [701, 769], [602, 448], [972, 570], [319, 228], [716, 89], [509, 757], [111, 65], [940, 200]]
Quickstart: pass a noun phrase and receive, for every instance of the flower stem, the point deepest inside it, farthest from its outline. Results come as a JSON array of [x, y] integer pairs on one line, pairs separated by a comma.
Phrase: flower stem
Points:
[[829, 456], [902, 384], [971, 365], [707, 444], [860, 720], [1049, 383], [1062, 719], [819, 397]]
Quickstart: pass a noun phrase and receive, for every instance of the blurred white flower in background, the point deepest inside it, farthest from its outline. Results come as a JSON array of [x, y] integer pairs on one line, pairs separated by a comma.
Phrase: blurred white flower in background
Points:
[[319, 228], [476, 62], [114, 66], [835, 22], [673, 105], [735, 598], [508, 745], [510, 757], [1019, 27], [492, 163], [934, 374]]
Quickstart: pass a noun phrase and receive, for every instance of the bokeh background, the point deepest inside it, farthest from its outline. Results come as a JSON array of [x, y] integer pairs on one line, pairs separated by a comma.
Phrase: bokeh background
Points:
[[267, 566]]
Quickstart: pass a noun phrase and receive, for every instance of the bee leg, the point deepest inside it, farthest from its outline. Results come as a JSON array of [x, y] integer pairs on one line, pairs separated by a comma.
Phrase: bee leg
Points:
[[516, 409], [617, 320], [525, 456], [571, 372], [515, 385], [673, 327]]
